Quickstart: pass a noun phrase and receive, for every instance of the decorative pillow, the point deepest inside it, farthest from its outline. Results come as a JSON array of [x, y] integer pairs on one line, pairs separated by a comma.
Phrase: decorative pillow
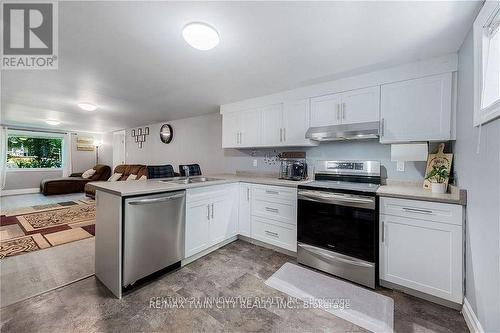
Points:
[[131, 177], [114, 177], [87, 174], [143, 177]]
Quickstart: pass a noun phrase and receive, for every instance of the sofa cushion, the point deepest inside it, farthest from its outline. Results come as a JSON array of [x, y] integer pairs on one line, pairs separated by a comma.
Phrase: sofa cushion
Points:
[[131, 177], [114, 177], [88, 173]]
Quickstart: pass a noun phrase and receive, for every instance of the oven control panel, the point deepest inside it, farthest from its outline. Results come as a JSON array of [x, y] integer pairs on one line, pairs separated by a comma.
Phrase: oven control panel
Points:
[[368, 168]]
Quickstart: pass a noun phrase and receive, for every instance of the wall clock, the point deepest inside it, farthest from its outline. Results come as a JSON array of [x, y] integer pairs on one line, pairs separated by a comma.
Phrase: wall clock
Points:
[[166, 133]]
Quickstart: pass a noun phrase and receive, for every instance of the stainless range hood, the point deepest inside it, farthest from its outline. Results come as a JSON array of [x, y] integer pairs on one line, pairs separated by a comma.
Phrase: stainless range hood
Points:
[[359, 131]]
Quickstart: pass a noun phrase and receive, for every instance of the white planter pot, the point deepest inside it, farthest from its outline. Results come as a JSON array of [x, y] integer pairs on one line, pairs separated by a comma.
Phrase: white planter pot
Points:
[[438, 187]]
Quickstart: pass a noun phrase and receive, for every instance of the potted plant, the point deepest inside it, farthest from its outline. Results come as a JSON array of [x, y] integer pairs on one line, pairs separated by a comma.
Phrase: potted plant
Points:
[[438, 176]]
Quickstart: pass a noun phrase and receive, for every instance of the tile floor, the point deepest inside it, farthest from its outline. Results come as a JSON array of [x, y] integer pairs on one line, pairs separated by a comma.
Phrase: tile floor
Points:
[[33, 273], [25, 200], [238, 269]]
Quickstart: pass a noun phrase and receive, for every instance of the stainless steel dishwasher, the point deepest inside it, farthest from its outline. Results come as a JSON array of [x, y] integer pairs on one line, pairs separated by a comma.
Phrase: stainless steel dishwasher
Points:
[[153, 235]]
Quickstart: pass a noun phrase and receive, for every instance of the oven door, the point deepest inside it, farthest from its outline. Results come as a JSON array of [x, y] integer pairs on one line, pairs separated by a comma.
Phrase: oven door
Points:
[[338, 222]]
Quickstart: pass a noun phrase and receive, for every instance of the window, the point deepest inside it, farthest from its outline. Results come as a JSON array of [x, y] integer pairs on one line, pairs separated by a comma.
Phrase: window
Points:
[[31, 152], [487, 63]]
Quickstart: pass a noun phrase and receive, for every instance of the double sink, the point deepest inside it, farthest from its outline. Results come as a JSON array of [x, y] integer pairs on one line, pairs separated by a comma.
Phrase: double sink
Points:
[[188, 180]]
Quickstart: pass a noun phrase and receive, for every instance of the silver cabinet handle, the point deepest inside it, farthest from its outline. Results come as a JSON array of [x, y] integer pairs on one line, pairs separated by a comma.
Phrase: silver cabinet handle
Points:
[[383, 232], [343, 110], [418, 211], [281, 134], [155, 200], [270, 233], [272, 192], [284, 134], [248, 193], [212, 211], [208, 212], [382, 127], [273, 210]]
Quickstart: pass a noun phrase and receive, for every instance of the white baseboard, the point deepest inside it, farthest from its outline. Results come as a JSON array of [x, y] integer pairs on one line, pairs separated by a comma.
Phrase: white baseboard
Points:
[[5, 193], [471, 318]]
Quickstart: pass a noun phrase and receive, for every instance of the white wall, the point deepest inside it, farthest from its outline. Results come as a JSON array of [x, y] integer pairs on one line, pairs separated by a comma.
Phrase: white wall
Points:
[[196, 140], [479, 173], [21, 179], [242, 159], [82, 160]]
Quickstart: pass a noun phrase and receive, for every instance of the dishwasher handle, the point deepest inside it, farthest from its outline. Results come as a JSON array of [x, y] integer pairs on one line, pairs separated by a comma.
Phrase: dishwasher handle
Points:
[[156, 200]]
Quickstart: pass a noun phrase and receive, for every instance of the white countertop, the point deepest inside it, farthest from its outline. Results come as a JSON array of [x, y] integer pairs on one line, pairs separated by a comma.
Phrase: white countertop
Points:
[[392, 189], [151, 186], [417, 192]]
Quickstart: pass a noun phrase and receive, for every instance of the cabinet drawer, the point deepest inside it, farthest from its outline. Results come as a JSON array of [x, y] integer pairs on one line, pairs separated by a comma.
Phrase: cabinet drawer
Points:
[[281, 236], [275, 194], [274, 210], [422, 210], [210, 192]]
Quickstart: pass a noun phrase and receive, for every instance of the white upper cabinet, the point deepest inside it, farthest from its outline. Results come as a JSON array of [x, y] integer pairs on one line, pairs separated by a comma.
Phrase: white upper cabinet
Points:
[[355, 106], [250, 125], [413, 102], [296, 122], [242, 129], [272, 124], [231, 129], [417, 110], [325, 110], [360, 105]]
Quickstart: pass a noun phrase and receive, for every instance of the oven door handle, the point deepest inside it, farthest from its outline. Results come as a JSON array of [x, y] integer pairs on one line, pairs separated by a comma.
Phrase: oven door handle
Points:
[[337, 199], [335, 258]]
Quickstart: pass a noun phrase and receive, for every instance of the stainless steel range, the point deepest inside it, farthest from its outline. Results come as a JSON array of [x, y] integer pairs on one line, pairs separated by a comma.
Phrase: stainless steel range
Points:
[[337, 220]]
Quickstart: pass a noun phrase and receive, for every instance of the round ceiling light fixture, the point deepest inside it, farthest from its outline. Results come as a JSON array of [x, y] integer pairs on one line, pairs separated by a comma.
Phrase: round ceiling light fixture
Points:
[[200, 35], [52, 122], [87, 106]]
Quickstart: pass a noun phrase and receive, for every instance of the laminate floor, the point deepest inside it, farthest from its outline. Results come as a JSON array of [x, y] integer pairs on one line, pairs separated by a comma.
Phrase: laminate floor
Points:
[[170, 303]]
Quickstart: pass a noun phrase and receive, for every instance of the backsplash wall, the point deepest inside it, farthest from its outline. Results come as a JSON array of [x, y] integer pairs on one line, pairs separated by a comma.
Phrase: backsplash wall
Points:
[[242, 159]]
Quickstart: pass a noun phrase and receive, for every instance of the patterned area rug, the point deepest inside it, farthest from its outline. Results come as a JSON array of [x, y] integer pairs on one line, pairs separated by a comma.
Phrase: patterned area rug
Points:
[[38, 227]]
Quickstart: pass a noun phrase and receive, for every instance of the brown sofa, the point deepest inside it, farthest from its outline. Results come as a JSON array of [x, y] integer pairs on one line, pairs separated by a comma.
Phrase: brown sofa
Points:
[[126, 170], [74, 183]]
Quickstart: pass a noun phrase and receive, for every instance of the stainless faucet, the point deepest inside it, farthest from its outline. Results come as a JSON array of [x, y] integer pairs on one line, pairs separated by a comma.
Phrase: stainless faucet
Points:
[[186, 170]]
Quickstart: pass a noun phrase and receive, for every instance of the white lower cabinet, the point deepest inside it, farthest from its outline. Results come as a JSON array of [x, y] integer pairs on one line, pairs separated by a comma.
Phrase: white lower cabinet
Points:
[[219, 212], [421, 248], [211, 216], [274, 215]]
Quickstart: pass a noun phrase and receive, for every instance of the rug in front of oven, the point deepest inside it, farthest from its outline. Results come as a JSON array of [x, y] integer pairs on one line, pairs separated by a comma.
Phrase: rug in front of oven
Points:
[[38, 227], [348, 301]]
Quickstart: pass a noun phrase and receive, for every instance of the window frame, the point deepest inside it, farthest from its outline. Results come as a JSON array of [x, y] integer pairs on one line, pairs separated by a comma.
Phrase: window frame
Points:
[[35, 134], [492, 112]]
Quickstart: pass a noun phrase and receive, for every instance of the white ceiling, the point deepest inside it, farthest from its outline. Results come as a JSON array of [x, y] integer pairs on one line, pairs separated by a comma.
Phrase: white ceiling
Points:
[[129, 58]]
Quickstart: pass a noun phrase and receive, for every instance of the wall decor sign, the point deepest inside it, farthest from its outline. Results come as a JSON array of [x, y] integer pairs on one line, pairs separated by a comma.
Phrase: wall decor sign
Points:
[[140, 135], [166, 133], [436, 159], [85, 144]]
